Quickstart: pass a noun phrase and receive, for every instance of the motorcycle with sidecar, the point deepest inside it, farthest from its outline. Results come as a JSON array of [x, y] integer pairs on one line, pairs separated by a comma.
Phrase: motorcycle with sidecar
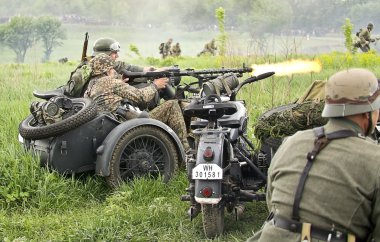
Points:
[[70, 136]]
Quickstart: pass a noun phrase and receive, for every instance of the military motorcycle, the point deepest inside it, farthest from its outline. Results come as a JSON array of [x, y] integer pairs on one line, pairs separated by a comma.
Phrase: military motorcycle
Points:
[[70, 136], [226, 171]]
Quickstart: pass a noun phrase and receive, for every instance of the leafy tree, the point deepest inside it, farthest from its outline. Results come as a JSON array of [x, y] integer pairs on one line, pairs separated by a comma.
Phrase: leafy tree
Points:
[[347, 31], [19, 35], [220, 14], [50, 31]]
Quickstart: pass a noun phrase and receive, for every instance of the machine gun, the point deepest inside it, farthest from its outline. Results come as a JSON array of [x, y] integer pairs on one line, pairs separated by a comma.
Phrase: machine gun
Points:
[[174, 74]]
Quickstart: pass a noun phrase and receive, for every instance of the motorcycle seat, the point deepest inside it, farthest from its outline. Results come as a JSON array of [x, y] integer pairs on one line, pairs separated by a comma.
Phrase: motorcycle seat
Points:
[[49, 94], [210, 111]]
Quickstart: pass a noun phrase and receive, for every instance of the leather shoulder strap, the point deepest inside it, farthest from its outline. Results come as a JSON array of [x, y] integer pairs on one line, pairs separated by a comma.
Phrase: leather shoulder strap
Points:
[[320, 142]]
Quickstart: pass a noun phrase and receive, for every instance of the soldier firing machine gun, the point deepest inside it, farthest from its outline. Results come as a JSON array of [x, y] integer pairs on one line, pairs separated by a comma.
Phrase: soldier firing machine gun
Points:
[[174, 74]]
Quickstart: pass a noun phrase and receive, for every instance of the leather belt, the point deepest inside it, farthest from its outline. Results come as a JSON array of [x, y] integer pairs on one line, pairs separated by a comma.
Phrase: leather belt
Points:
[[316, 232]]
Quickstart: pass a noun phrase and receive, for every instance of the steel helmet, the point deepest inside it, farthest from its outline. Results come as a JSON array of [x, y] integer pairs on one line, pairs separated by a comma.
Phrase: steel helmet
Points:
[[105, 45], [101, 63], [370, 26], [350, 92]]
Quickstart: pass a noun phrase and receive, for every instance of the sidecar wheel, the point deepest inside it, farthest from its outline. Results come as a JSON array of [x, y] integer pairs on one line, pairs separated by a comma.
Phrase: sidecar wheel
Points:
[[213, 220], [142, 151], [87, 112]]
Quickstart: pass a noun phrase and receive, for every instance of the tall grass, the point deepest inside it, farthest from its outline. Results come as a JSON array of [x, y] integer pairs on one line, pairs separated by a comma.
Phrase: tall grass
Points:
[[37, 204]]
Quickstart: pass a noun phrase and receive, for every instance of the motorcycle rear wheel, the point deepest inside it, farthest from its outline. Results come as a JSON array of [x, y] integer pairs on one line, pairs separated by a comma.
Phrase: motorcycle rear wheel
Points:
[[142, 151], [213, 220]]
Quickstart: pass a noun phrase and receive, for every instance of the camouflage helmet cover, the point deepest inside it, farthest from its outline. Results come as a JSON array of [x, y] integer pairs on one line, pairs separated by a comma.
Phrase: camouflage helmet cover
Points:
[[105, 45], [101, 63], [350, 92]]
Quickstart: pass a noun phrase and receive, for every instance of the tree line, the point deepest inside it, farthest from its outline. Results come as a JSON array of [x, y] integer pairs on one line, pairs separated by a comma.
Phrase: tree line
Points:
[[22, 32], [255, 16]]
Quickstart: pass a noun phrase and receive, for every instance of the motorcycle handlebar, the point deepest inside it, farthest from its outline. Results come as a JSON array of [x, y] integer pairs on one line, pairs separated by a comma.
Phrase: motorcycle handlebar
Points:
[[260, 77], [249, 80]]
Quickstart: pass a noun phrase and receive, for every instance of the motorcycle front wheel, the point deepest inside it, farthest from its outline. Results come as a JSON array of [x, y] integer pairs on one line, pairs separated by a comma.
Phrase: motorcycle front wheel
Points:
[[213, 220], [142, 151]]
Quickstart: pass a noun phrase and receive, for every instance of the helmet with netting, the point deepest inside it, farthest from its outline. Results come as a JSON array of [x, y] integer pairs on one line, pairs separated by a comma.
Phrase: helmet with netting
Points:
[[350, 92], [105, 45], [101, 64]]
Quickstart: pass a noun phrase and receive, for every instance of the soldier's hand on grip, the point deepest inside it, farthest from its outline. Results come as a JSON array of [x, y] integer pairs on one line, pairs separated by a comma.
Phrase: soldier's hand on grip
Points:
[[161, 82]]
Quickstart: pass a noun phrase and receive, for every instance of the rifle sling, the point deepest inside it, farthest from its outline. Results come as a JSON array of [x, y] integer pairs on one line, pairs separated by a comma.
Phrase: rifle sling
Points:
[[320, 142]]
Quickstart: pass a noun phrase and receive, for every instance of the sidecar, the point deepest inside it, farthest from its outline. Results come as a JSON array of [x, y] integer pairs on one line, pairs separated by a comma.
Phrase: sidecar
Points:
[[85, 140]]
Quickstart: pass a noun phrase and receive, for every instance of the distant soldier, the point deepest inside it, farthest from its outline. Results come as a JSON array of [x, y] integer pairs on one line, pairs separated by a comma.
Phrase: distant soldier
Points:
[[167, 48], [176, 50], [161, 49], [364, 38], [209, 48], [63, 60]]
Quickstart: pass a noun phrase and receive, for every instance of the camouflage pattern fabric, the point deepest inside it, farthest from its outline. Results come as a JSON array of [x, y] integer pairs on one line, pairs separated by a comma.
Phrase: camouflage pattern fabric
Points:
[[347, 168], [101, 64], [83, 73], [170, 113], [287, 122], [108, 92]]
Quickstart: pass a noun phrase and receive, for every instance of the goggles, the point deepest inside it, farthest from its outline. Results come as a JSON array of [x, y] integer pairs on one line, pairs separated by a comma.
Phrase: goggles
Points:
[[115, 47]]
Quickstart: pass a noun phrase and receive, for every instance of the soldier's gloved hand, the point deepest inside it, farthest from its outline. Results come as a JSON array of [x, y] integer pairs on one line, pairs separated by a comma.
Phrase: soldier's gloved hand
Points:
[[161, 82]]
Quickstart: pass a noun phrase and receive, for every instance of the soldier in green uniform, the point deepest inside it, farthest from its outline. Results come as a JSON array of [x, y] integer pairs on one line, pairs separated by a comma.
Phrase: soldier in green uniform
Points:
[[167, 48], [324, 184], [161, 49], [364, 36], [176, 50], [209, 48], [80, 76], [108, 92]]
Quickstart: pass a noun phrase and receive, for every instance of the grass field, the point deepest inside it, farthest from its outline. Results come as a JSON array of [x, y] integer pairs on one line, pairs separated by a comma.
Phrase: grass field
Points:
[[40, 205]]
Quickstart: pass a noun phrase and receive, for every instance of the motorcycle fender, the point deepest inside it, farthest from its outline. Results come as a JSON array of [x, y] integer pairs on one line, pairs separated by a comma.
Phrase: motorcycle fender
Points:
[[105, 150], [215, 142]]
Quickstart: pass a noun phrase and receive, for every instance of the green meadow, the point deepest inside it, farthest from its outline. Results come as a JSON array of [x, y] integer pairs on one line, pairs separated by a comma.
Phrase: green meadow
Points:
[[40, 205]]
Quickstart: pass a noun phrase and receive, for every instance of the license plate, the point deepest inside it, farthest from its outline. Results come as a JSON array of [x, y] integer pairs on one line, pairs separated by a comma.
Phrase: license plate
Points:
[[207, 172]]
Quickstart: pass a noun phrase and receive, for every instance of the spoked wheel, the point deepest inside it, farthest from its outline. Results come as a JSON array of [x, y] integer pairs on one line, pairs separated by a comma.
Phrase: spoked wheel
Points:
[[142, 151], [213, 220]]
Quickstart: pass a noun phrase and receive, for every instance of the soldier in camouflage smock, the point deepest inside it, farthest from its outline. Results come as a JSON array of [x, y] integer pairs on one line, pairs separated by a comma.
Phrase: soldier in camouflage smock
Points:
[[108, 92], [76, 86], [328, 188]]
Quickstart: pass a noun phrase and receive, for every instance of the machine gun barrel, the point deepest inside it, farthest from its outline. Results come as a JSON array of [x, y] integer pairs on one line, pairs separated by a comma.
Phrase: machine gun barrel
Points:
[[176, 73]]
